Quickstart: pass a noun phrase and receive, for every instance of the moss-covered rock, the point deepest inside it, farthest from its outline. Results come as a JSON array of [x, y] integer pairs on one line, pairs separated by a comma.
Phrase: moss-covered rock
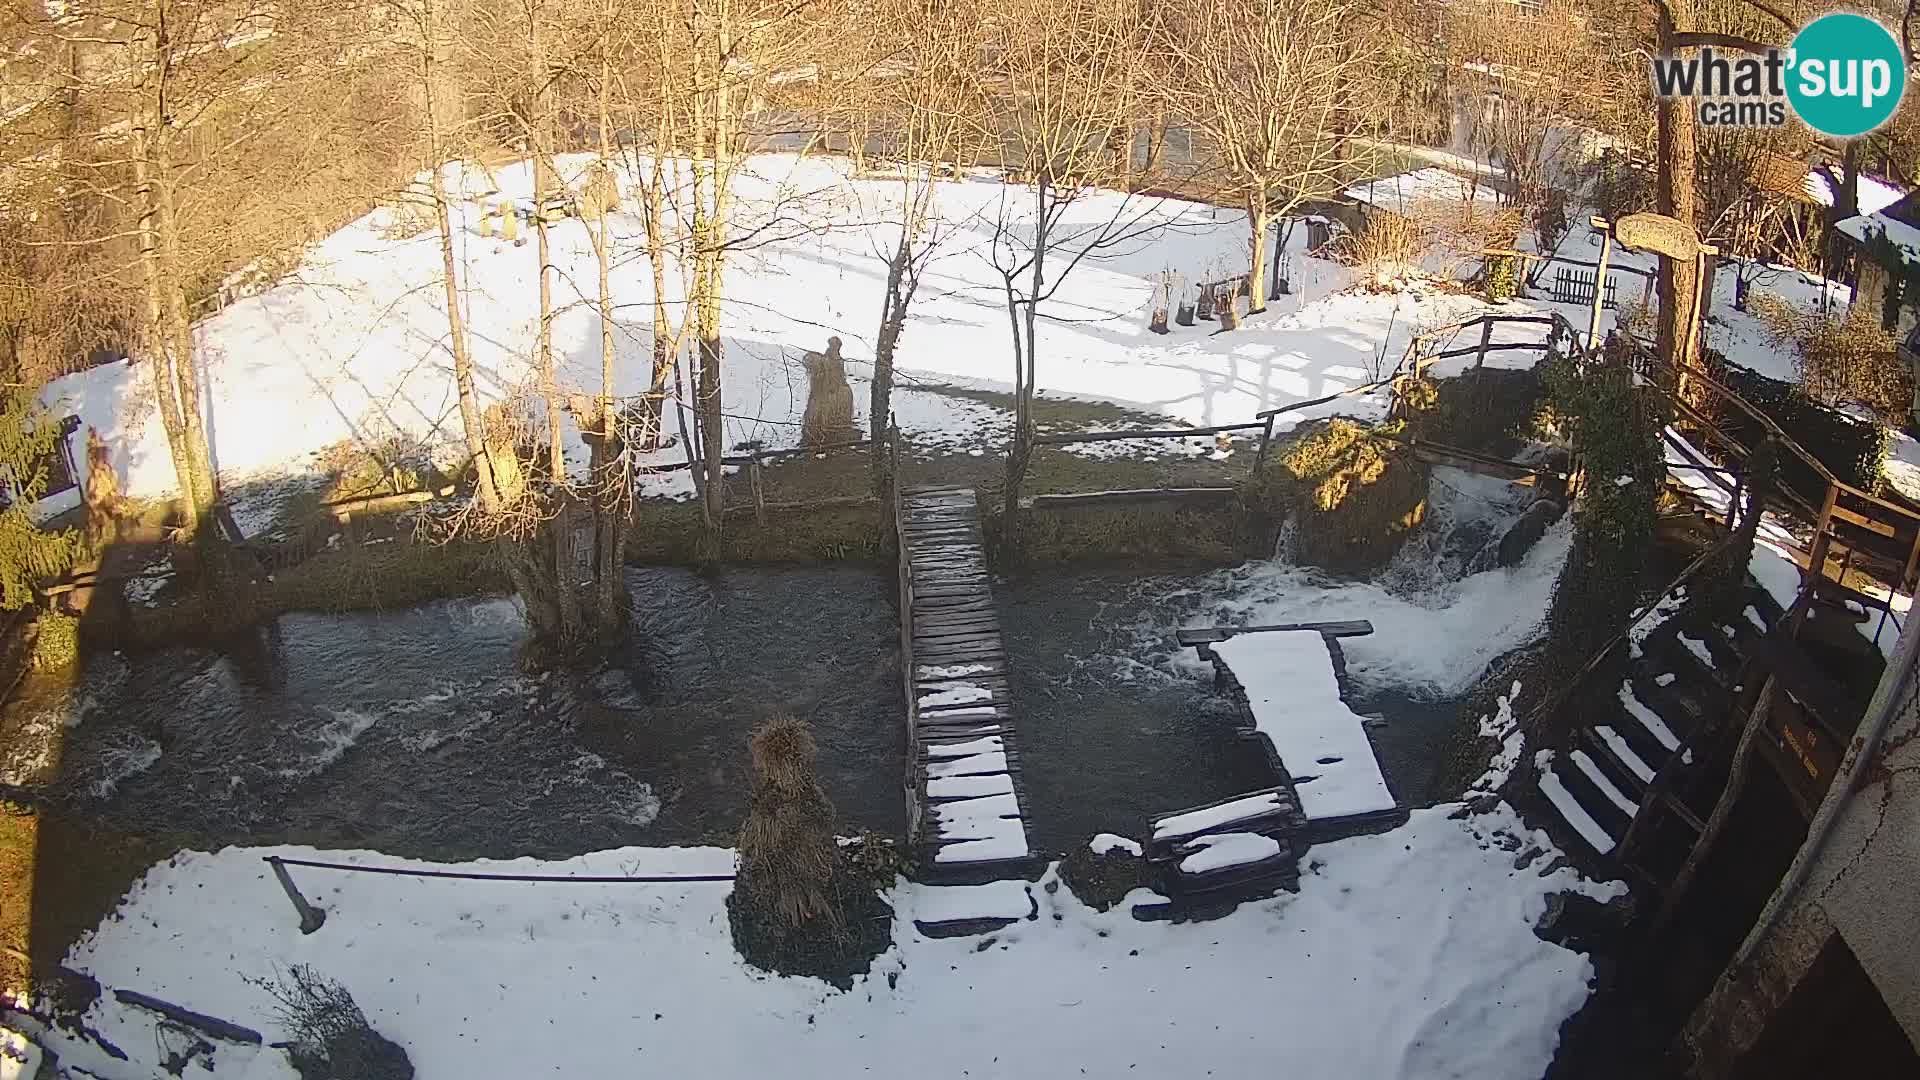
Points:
[[1352, 497], [1103, 879]]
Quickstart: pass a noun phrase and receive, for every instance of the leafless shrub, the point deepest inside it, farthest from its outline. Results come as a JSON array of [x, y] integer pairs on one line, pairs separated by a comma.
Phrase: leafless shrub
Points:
[[328, 1037], [1839, 361]]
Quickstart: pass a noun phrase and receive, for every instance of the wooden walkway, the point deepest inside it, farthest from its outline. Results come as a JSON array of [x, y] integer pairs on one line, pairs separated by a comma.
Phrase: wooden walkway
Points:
[[1250, 844], [965, 804]]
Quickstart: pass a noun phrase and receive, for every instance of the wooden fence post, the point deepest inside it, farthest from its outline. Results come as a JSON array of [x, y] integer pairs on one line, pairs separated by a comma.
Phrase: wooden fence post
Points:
[[1599, 276], [1486, 339], [759, 491], [311, 918]]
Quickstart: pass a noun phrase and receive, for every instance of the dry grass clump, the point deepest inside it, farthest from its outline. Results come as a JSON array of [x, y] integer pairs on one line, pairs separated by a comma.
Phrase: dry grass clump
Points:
[[787, 849]]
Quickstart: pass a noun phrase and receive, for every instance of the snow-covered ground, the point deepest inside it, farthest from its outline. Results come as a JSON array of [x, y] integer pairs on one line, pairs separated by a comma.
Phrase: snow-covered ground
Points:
[[353, 344], [1737, 334], [1410, 954]]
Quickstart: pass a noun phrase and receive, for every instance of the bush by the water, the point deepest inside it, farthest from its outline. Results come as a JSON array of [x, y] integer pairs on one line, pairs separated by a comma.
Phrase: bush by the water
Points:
[[1353, 497], [328, 1037], [798, 905], [1102, 879], [29, 439], [1614, 426]]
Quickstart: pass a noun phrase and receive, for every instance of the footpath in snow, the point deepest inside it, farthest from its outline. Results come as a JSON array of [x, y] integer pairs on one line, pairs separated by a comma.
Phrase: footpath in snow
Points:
[[1409, 954]]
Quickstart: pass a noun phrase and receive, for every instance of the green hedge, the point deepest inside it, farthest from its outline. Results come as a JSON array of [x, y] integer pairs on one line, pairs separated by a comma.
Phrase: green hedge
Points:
[[1854, 449]]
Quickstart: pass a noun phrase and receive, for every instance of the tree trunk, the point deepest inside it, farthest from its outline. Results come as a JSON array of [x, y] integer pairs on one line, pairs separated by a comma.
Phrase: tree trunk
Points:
[[185, 371], [1026, 346], [1846, 203], [893, 319], [1678, 158], [610, 482], [167, 333], [665, 355], [470, 420], [714, 121], [561, 533], [1257, 215], [156, 338]]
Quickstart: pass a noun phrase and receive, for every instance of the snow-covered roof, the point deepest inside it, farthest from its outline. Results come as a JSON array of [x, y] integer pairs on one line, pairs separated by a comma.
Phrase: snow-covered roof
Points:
[[1905, 237], [1400, 194], [1874, 195]]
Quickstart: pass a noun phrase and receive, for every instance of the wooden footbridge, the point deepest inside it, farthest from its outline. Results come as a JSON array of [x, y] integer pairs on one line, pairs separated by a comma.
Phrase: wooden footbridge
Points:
[[966, 808]]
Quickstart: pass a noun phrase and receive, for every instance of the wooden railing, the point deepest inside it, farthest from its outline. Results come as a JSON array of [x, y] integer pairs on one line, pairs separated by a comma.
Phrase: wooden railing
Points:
[[1876, 536]]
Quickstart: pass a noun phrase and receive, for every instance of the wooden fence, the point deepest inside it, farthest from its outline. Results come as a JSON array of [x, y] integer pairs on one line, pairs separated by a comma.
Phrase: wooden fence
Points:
[[1577, 287]]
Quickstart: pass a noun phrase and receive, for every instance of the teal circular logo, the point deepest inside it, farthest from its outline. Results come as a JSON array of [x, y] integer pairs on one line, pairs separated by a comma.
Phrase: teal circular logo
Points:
[[1845, 75]]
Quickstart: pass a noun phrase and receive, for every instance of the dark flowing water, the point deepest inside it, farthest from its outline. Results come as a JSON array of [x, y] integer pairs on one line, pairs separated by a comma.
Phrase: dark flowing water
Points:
[[1118, 724], [415, 732]]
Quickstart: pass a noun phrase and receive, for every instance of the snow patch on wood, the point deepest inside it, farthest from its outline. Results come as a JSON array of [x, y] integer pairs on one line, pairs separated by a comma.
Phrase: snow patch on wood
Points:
[[1291, 688]]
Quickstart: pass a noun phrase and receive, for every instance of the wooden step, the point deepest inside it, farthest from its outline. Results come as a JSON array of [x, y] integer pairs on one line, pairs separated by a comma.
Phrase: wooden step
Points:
[[1554, 788]]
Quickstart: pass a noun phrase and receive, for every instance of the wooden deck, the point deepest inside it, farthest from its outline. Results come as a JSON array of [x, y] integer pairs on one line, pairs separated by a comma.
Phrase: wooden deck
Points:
[[966, 813], [1315, 825]]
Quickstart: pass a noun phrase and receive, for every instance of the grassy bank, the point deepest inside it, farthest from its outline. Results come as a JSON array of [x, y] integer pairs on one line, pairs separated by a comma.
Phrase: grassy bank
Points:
[[59, 877]]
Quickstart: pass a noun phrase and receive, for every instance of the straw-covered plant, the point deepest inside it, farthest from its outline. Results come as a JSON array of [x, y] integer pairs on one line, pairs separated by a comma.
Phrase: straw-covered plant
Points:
[[798, 906]]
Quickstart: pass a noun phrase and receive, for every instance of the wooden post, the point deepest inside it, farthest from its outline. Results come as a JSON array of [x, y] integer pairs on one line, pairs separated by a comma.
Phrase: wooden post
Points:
[[759, 492], [1486, 339], [1599, 282], [1722, 809], [311, 918], [1266, 439], [1816, 557]]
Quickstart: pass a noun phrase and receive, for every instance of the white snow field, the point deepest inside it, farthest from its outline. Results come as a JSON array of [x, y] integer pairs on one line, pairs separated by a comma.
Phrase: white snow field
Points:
[[353, 344], [1410, 954]]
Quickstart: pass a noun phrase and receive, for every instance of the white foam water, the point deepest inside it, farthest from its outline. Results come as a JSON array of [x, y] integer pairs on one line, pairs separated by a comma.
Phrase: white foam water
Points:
[[1435, 631]]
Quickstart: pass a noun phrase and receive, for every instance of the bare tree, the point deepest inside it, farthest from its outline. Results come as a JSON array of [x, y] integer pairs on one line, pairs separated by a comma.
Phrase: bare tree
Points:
[[1269, 85], [171, 115], [1064, 94], [922, 91]]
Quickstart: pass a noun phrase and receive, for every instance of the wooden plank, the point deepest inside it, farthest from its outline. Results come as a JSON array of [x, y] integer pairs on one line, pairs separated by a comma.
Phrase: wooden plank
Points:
[[940, 605], [962, 569], [979, 622], [1860, 521], [1000, 724], [977, 695], [970, 572], [1208, 635], [1131, 497], [211, 1025], [951, 586], [959, 650], [956, 609], [936, 639], [946, 590]]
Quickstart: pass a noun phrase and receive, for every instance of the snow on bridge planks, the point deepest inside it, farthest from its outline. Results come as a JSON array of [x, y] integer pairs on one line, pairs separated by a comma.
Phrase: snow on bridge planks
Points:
[[965, 803], [1285, 681]]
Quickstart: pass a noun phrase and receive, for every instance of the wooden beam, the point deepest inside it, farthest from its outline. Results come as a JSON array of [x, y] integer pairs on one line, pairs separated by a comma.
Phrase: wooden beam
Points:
[[1214, 634], [1129, 497]]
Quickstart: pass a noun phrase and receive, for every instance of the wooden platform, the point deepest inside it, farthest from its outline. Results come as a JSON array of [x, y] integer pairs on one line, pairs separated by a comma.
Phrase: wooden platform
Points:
[[966, 813], [1357, 800]]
